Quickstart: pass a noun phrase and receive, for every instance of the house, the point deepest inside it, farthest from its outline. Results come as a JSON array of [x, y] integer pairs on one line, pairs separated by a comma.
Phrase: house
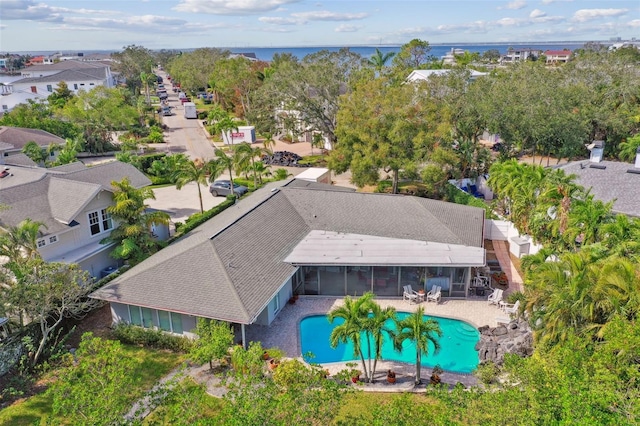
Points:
[[71, 202], [299, 238], [424, 75], [450, 57], [557, 56], [609, 180], [76, 79], [522, 54], [14, 139]]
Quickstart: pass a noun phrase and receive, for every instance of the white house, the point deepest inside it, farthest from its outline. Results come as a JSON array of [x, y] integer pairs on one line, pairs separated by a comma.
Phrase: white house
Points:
[[14, 139], [424, 75], [71, 202], [557, 56]]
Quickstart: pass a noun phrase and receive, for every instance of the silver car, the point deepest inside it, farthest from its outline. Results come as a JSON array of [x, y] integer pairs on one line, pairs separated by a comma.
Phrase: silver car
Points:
[[223, 187]]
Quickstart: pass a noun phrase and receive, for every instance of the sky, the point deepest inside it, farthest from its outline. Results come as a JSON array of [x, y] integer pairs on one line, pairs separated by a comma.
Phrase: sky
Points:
[[84, 25]]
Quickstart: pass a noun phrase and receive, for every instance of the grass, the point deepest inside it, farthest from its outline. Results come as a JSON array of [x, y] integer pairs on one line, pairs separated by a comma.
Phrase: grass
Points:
[[360, 405], [151, 365]]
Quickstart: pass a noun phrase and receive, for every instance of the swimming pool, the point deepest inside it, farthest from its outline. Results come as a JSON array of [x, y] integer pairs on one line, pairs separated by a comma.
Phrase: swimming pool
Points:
[[457, 344]]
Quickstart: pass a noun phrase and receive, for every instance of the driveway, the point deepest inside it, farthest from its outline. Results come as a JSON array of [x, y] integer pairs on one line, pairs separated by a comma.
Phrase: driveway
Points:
[[180, 204]]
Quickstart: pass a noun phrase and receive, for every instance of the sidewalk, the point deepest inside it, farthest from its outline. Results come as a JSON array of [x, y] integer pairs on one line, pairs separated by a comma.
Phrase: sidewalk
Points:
[[502, 253]]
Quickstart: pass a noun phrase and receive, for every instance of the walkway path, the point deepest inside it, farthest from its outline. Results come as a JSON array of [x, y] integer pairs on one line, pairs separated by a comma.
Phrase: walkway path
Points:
[[502, 253]]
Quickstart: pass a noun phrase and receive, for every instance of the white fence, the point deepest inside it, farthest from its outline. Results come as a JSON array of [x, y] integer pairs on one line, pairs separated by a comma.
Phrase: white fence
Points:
[[503, 230]]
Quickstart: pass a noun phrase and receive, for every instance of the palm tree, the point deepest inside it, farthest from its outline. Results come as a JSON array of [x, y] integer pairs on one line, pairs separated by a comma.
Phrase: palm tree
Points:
[[245, 158], [622, 235], [379, 60], [19, 243], [225, 162], [193, 171], [421, 332], [133, 234], [375, 328], [355, 314], [585, 220], [281, 174]]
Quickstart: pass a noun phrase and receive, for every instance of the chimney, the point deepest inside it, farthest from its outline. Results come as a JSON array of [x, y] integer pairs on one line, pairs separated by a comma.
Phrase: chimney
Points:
[[637, 165], [597, 151]]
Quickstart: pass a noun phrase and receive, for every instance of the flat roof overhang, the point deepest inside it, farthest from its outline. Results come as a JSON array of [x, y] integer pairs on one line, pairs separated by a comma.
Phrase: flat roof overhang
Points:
[[335, 248]]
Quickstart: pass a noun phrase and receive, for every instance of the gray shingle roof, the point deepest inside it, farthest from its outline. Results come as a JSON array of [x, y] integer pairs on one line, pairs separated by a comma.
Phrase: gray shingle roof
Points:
[[71, 167], [610, 183], [66, 65], [55, 199], [68, 75], [231, 267], [19, 136], [19, 159]]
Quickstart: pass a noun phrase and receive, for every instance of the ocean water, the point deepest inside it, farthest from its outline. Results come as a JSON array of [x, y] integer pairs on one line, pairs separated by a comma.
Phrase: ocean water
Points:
[[266, 53]]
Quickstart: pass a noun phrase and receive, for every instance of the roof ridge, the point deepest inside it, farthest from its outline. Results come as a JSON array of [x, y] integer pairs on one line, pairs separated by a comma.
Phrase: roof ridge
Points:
[[228, 279]]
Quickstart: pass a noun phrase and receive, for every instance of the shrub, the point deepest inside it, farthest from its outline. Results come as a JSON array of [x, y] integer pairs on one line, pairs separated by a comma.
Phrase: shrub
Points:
[[198, 219], [160, 180], [135, 335], [487, 372]]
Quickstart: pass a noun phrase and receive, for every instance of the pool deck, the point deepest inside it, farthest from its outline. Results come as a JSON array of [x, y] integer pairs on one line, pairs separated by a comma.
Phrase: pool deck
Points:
[[284, 333]]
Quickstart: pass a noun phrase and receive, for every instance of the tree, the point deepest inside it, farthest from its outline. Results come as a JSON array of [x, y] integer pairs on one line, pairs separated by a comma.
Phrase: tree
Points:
[[213, 343], [19, 243], [94, 388], [224, 161], [35, 152], [376, 328], [412, 55], [246, 160], [236, 79], [131, 63], [629, 148], [380, 126], [133, 237], [69, 152], [39, 115], [354, 314], [423, 333], [379, 60], [60, 96], [195, 171], [194, 69]]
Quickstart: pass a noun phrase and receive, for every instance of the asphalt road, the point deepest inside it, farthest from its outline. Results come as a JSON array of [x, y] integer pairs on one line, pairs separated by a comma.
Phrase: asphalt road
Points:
[[184, 135]]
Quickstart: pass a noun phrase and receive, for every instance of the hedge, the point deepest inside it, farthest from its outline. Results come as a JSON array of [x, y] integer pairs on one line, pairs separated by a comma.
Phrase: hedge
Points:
[[135, 335], [198, 219]]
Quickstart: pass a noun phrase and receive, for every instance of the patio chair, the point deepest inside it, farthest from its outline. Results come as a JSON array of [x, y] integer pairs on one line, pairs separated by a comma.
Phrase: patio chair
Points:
[[496, 297], [511, 309], [435, 293], [410, 294]]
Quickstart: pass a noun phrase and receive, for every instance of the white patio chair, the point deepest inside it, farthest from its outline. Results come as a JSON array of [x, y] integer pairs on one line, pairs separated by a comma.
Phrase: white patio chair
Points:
[[496, 297], [511, 309], [409, 294], [435, 293]]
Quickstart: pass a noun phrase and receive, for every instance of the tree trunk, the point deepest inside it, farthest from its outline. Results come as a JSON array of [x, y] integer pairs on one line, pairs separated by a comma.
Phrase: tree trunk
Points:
[[200, 196], [418, 366], [394, 189]]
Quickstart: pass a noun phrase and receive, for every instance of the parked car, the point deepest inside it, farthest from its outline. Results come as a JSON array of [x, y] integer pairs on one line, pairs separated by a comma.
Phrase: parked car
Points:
[[185, 100], [223, 187]]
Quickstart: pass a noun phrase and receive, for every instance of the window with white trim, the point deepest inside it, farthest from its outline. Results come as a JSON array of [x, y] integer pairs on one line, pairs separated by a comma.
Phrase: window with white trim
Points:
[[41, 243], [53, 239], [49, 88], [100, 221]]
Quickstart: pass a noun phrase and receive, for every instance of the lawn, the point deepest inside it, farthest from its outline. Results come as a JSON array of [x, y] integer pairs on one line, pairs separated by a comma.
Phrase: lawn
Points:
[[151, 365]]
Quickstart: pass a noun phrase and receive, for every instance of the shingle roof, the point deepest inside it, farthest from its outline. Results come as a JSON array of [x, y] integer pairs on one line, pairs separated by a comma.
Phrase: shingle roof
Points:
[[68, 75], [66, 65], [71, 167], [19, 136], [609, 183], [55, 199], [19, 160], [231, 267]]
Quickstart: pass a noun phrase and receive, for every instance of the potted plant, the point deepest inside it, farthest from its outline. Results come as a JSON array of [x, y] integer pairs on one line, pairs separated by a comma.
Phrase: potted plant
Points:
[[265, 355], [435, 375], [391, 376], [273, 364]]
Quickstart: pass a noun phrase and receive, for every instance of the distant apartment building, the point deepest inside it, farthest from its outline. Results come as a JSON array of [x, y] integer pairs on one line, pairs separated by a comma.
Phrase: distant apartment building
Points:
[[557, 56], [518, 55]]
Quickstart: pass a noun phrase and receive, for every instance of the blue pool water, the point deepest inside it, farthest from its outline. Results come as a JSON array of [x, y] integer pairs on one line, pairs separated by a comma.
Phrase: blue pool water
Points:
[[457, 344]]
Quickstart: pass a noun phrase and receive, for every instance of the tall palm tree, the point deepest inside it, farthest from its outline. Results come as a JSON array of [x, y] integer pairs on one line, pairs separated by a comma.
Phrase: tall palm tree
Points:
[[245, 158], [133, 234], [224, 161], [193, 171], [355, 314], [379, 60], [585, 220], [376, 329], [421, 332]]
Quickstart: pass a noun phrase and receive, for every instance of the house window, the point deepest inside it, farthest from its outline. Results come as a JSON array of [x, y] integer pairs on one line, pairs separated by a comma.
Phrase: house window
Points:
[[100, 221], [41, 243], [53, 239], [81, 84], [147, 318], [164, 321], [49, 88], [134, 313], [75, 86], [5, 107], [276, 304], [34, 89], [91, 84], [176, 323]]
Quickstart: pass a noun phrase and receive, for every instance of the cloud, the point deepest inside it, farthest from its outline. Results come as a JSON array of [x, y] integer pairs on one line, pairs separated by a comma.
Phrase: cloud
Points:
[[584, 15], [514, 5], [278, 21], [137, 24], [346, 28], [325, 15], [635, 23], [471, 27], [537, 13], [554, 1], [230, 7], [28, 10]]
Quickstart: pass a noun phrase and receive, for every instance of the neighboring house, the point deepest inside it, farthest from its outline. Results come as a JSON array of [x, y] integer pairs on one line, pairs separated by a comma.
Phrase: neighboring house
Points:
[[609, 180], [518, 55], [71, 202], [13, 140], [51, 69], [450, 57], [76, 80], [244, 264], [10, 98], [424, 75], [557, 56]]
